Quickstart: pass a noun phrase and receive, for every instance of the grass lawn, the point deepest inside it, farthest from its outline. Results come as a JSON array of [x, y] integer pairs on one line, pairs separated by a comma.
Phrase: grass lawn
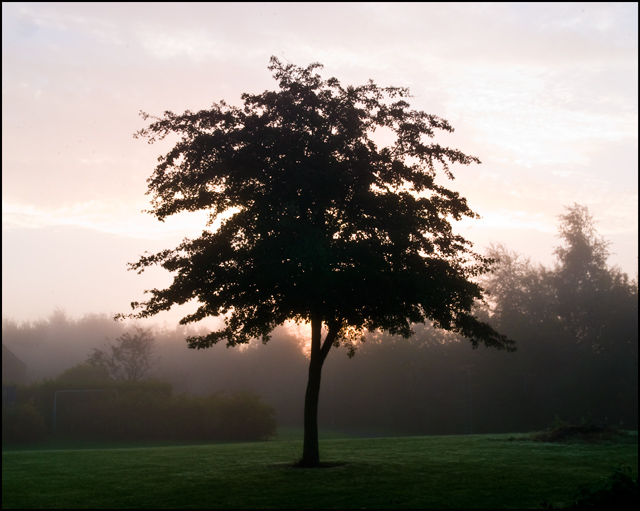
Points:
[[475, 471]]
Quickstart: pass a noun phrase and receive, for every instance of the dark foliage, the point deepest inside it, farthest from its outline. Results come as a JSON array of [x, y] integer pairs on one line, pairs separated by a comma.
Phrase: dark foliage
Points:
[[151, 416], [323, 222], [130, 410], [84, 375], [577, 330], [22, 424], [619, 491]]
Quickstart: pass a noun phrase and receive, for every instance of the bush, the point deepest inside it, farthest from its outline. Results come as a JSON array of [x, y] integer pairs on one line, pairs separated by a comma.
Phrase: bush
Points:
[[144, 415], [619, 491], [134, 410], [83, 375], [240, 417], [245, 417], [22, 424]]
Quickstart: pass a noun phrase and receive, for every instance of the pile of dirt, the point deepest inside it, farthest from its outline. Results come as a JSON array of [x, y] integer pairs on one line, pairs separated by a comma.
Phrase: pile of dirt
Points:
[[591, 433]]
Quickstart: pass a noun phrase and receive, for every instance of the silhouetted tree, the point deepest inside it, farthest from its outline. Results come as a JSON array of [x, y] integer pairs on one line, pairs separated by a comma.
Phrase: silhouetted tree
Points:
[[318, 223], [131, 358]]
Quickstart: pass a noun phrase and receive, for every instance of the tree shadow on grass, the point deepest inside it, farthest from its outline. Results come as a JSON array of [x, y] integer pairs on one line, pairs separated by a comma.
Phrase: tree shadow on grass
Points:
[[298, 464]]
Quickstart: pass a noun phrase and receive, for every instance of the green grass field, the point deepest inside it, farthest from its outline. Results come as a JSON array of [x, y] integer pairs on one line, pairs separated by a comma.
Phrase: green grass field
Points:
[[476, 471]]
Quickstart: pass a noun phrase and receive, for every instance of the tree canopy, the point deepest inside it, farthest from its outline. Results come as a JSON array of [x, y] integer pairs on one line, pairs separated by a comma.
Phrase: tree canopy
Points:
[[582, 279], [320, 222]]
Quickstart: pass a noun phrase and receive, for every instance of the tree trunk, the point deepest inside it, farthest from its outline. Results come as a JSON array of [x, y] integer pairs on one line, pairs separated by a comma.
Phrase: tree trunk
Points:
[[310, 449]]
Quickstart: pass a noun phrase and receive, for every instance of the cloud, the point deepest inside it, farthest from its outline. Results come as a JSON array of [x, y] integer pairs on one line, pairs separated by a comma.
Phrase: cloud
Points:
[[197, 45], [108, 216], [544, 94], [510, 219]]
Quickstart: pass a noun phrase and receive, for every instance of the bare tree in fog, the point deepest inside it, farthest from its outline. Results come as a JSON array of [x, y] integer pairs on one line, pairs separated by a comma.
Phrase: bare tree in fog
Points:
[[130, 358]]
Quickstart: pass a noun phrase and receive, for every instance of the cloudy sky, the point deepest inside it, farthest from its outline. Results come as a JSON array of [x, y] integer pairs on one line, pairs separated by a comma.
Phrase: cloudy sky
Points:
[[546, 95]]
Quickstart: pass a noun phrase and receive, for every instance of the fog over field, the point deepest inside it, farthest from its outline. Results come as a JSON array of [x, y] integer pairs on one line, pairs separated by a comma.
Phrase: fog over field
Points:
[[576, 359], [575, 325]]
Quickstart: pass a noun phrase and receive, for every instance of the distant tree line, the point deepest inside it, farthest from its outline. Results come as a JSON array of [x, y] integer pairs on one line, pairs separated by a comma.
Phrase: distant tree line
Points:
[[576, 325], [576, 328]]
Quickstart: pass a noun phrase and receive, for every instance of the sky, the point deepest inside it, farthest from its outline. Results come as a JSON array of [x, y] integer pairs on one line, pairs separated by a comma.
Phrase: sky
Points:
[[545, 95]]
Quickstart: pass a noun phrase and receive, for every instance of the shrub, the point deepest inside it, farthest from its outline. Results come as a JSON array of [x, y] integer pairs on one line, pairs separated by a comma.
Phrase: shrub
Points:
[[22, 424], [83, 375], [245, 417], [619, 491], [134, 410], [144, 415]]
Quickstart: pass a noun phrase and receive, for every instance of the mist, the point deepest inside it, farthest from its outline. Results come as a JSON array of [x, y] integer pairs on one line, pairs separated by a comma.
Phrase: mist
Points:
[[433, 383], [575, 325]]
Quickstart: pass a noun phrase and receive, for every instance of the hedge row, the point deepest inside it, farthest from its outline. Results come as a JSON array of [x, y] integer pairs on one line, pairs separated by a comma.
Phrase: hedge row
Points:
[[151, 416], [134, 411]]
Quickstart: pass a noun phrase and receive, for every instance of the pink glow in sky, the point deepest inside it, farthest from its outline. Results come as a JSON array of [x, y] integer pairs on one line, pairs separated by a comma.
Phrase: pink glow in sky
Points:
[[544, 94]]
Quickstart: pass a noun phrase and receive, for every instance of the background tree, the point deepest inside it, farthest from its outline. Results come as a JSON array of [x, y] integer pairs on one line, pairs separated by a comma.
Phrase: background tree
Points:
[[131, 358], [319, 224], [576, 325], [582, 279]]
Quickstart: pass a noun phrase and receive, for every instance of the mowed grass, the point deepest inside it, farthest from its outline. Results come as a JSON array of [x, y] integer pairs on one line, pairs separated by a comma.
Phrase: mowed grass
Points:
[[475, 471]]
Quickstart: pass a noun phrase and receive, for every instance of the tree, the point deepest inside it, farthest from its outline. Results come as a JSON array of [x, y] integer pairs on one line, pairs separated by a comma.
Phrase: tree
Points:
[[522, 293], [318, 223], [131, 358], [582, 278], [576, 325]]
